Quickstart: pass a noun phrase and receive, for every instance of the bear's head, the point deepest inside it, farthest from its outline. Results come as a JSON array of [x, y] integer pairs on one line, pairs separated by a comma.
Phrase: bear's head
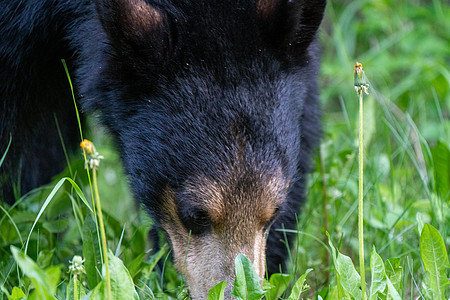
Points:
[[206, 100]]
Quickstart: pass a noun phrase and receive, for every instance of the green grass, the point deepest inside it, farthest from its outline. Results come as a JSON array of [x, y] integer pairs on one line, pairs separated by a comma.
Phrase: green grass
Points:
[[404, 47]]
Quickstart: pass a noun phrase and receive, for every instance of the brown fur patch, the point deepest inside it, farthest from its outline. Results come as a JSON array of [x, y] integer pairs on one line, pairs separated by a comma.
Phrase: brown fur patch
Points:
[[211, 194], [239, 205], [239, 198], [265, 8], [143, 14], [140, 16]]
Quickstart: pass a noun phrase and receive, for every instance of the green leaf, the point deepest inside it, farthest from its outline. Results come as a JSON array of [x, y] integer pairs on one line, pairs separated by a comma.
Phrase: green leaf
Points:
[[394, 272], [333, 293], [278, 284], [218, 291], [348, 278], [247, 282], [392, 291], [45, 257], [53, 277], [135, 266], [36, 275], [426, 290], [99, 292], [339, 289], [441, 160], [153, 261], [435, 259], [298, 288], [91, 252], [57, 226], [17, 294], [22, 217], [378, 283], [122, 286]]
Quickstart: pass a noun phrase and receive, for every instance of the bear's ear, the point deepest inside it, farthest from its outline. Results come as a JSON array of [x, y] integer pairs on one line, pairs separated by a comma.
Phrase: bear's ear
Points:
[[136, 27], [289, 23]]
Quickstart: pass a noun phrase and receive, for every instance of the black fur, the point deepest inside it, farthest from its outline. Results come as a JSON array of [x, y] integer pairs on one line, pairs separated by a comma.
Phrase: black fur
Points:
[[176, 94]]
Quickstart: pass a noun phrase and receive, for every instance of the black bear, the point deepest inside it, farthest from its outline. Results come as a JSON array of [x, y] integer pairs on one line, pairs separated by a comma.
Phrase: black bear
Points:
[[213, 105]]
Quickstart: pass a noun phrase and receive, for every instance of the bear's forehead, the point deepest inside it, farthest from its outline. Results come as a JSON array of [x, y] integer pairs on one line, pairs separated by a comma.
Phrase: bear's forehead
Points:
[[217, 34]]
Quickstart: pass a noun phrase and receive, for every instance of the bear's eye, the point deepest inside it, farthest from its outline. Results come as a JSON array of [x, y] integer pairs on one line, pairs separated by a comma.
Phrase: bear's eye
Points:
[[196, 220]]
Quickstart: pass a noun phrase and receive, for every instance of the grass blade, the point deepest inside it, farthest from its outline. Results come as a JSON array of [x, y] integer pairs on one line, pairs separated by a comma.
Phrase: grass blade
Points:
[[6, 151], [49, 199]]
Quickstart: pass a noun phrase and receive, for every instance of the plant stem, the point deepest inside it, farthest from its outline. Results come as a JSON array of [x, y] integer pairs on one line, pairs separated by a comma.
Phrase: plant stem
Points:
[[75, 288], [102, 231], [66, 69], [360, 198]]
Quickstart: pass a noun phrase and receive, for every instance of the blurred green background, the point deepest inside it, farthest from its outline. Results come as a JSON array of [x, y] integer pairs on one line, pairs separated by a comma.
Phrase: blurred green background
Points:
[[404, 47]]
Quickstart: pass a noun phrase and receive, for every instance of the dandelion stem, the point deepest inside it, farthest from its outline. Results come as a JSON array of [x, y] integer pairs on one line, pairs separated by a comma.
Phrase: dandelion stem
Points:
[[102, 230], [360, 198], [75, 288], [361, 87]]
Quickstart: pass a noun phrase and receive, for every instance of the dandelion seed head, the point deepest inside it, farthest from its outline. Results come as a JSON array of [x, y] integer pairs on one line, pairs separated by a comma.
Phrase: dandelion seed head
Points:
[[93, 157], [76, 265], [87, 146], [360, 81]]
